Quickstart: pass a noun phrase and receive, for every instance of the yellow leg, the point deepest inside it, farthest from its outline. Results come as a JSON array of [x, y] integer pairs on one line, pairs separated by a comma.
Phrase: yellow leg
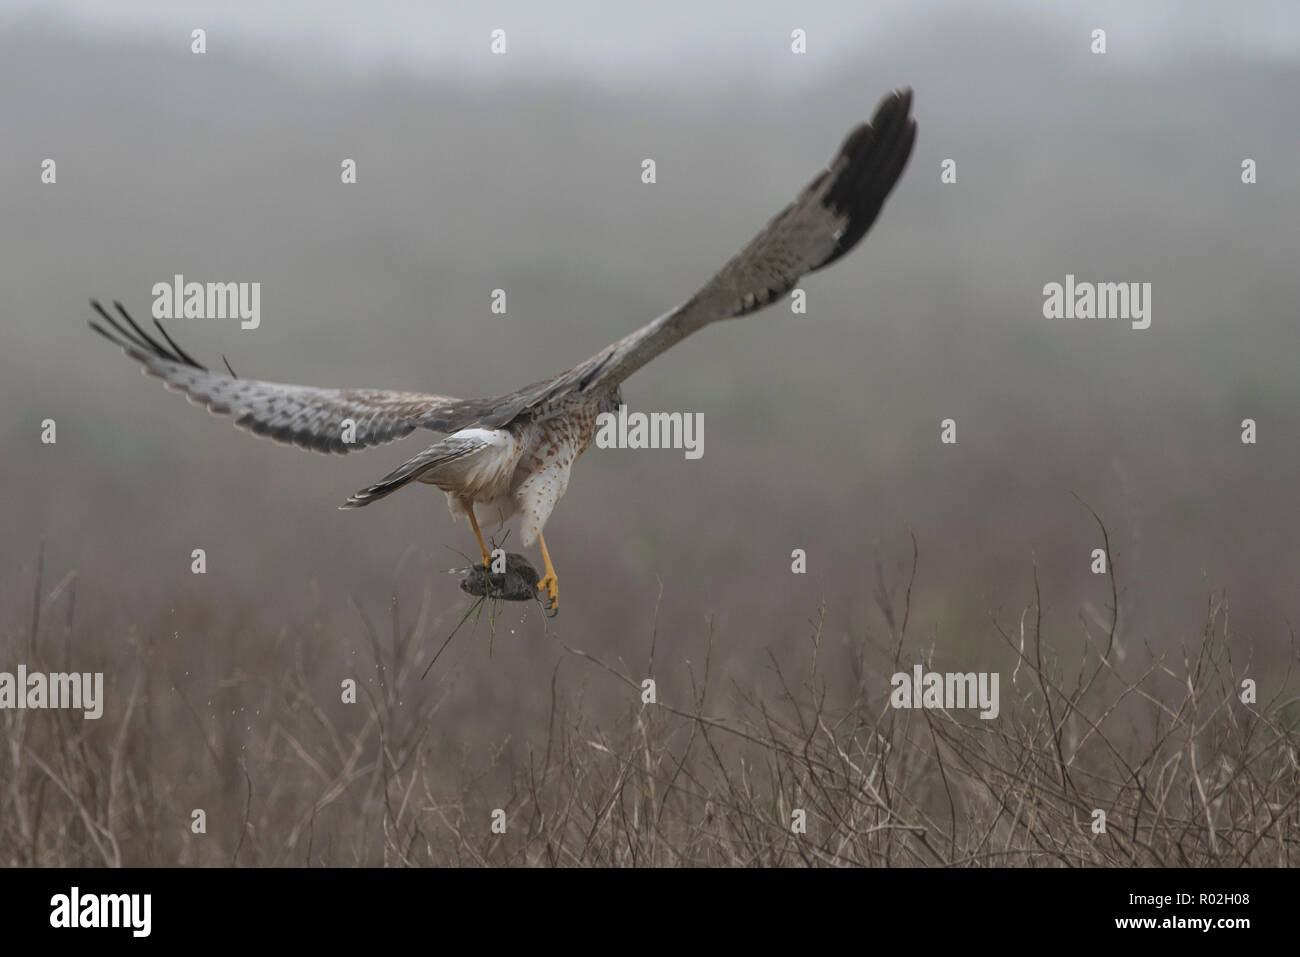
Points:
[[473, 523], [549, 583]]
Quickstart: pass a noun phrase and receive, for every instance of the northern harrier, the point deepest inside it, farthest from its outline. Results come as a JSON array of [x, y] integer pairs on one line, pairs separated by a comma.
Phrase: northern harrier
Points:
[[511, 454]]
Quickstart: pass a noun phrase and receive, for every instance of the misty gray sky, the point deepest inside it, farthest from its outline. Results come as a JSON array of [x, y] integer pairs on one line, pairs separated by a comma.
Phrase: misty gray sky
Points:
[[679, 38], [522, 172]]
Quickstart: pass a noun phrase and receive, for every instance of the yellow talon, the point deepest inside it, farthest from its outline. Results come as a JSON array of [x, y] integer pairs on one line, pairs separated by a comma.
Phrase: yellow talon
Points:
[[473, 522], [549, 583]]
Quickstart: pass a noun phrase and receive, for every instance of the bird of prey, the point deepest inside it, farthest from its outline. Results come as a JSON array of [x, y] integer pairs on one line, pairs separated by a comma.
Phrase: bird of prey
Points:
[[511, 454]]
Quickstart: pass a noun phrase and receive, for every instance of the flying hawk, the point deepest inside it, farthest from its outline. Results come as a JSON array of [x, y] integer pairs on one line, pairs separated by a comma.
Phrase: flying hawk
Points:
[[511, 454]]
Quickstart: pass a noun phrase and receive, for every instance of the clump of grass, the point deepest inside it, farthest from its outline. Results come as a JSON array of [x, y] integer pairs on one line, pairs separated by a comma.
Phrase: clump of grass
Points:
[[709, 773]]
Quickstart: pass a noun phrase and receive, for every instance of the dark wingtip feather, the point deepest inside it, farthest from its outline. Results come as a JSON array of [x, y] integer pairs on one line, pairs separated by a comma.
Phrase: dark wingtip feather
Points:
[[131, 336], [127, 339], [104, 332], [184, 356], [876, 156], [153, 343]]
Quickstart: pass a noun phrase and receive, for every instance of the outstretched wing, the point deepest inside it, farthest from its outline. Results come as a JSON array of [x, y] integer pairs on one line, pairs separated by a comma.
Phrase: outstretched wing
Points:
[[827, 219], [299, 415]]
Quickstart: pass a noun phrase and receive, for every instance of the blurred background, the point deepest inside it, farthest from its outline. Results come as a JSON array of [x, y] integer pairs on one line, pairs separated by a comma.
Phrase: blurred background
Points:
[[522, 172]]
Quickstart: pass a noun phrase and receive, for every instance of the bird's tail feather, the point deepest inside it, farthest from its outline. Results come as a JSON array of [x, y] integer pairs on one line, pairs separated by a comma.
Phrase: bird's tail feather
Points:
[[448, 450]]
